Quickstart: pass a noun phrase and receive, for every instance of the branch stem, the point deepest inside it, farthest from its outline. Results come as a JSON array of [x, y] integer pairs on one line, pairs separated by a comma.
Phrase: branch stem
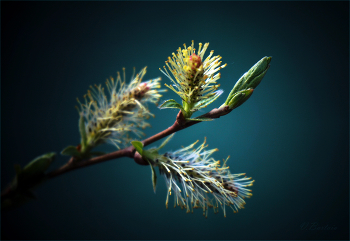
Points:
[[179, 124]]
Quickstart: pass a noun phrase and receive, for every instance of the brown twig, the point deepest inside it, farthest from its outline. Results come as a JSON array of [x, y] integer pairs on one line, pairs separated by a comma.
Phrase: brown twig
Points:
[[179, 124]]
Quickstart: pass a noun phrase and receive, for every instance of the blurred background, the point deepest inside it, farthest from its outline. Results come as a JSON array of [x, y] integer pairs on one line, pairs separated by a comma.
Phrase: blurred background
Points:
[[291, 136]]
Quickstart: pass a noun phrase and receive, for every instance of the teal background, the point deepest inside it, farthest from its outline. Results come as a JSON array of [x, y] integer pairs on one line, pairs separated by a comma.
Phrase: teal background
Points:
[[291, 136]]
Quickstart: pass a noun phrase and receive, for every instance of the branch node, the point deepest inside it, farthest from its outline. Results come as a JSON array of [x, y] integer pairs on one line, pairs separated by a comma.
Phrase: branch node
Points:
[[180, 119], [139, 160]]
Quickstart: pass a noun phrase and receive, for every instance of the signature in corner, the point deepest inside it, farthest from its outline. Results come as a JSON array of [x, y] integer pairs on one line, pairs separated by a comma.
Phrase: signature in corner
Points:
[[316, 226]]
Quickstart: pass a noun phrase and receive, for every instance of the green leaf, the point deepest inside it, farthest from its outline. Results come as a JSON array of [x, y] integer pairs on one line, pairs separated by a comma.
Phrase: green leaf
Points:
[[71, 151], [165, 142], [170, 104], [150, 154], [254, 81], [38, 165], [239, 98], [26, 179], [154, 177], [33, 173], [199, 119], [138, 146], [204, 102], [252, 77], [82, 132]]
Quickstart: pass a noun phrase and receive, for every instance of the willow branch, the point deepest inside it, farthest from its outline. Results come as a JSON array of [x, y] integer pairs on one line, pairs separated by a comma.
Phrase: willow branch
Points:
[[179, 124]]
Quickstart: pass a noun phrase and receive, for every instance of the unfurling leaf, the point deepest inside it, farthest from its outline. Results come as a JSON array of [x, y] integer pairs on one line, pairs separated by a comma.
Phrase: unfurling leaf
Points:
[[71, 151], [154, 177], [25, 180], [245, 85], [170, 104], [138, 146], [33, 173], [206, 101], [253, 76], [165, 142], [38, 165], [239, 98]]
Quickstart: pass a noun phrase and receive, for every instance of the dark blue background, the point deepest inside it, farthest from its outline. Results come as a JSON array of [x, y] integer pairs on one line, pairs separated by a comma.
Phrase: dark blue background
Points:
[[291, 136]]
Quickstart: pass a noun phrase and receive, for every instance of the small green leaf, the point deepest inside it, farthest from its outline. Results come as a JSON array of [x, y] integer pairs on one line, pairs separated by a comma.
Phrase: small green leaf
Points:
[[38, 165], [170, 104], [204, 102], [138, 146], [255, 81], [165, 142], [199, 119], [71, 151], [150, 154], [239, 98], [257, 73], [154, 177], [82, 132], [253, 77], [26, 179]]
